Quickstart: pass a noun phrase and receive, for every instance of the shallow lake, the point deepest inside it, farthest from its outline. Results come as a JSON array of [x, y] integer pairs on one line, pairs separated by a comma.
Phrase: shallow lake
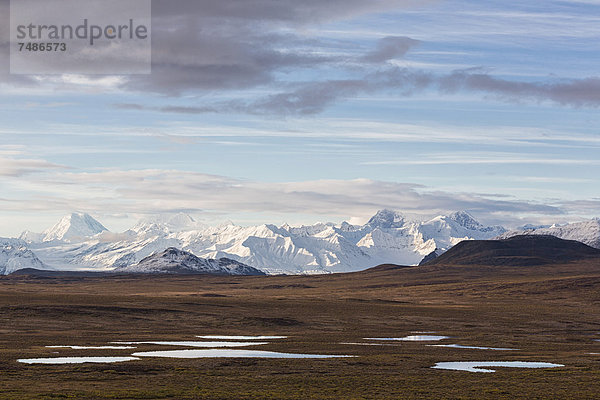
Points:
[[414, 338], [370, 344], [223, 337], [475, 366], [460, 346], [92, 347], [219, 353], [198, 344], [75, 360]]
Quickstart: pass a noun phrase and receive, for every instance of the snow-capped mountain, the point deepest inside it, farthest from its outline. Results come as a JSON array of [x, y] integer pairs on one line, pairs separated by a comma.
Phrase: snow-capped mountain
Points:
[[71, 228], [388, 237], [173, 260], [446, 231], [165, 224], [587, 232], [15, 255]]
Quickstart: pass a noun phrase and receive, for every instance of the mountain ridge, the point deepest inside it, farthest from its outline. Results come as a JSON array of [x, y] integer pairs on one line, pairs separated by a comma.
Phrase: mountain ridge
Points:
[[387, 237]]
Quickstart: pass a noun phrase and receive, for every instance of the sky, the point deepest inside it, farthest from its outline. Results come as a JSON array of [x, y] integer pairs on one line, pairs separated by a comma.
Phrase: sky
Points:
[[273, 111]]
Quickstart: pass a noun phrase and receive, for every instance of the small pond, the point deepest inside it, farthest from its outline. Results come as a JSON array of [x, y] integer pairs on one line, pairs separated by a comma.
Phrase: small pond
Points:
[[229, 353], [223, 337], [460, 346], [414, 338], [476, 366], [75, 360]]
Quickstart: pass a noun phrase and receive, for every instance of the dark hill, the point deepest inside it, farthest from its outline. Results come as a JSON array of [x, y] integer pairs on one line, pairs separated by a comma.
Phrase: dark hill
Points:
[[177, 261], [525, 250], [389, 267]]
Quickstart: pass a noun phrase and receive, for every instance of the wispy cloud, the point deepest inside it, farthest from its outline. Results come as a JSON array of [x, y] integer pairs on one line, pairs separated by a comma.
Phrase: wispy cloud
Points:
[[389, 48], [314, 97], [154, 191], [574, 92], [485, 158], [18, 167]]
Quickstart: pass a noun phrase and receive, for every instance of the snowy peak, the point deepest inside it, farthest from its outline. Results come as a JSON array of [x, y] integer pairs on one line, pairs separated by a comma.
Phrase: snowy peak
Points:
[[76, 226], [165, 224], [173, 260], [31, 237], [465, 219], [461, 222], [15, 255], [443, 232], [387, 219], [348, 227]]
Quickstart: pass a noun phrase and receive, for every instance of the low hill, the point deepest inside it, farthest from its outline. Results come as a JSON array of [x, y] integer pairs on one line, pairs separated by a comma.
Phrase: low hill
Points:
[[524, 250]]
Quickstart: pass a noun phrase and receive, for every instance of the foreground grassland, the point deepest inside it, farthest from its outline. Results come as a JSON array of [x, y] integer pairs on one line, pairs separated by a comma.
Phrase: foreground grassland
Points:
[[551, 314]]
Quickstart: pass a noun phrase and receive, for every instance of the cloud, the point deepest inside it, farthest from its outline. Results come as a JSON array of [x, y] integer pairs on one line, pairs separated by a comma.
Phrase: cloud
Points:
[[200, 47], [18, 167], [390, 47], [241, 44], [56, 104], [309, 98], [461, 158], [574, 92], [288, 11], [158, 191], [314, 97]]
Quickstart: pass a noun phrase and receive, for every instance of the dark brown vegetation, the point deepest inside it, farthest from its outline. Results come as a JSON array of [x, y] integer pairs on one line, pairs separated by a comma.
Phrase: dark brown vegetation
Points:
[[550, 312], [524, 250]]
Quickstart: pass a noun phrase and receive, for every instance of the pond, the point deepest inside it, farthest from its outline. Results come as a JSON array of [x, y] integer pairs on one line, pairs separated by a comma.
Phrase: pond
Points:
[[475, 366], [197, 343], [223, 337], [414, 338], [92, 347], [460, 346], [75, 360], [229, 353]]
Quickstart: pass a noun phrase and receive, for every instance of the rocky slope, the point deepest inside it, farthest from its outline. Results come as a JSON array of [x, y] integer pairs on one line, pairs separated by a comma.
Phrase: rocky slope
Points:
[[173, 260]]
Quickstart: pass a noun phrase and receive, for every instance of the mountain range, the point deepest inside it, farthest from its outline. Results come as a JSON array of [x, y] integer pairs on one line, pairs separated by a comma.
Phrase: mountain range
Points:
[[79, 242]]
